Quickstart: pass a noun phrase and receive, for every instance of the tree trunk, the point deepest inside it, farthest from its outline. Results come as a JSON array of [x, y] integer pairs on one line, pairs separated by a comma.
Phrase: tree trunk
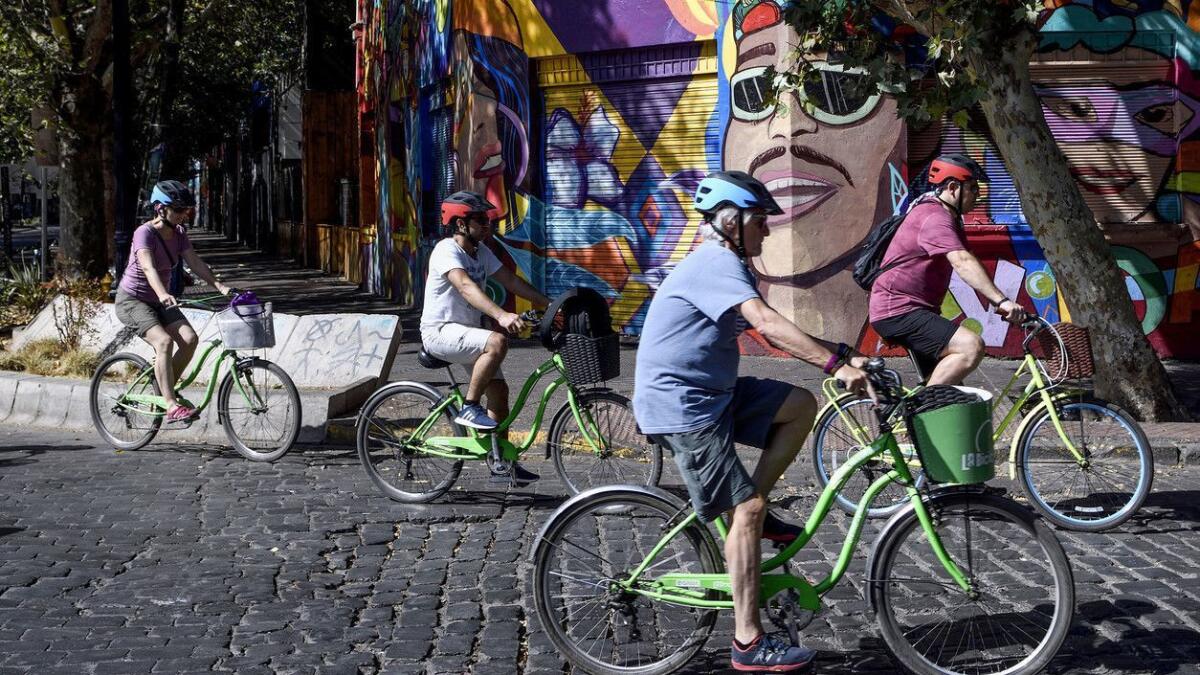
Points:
[[82, 234], [1128, 371]]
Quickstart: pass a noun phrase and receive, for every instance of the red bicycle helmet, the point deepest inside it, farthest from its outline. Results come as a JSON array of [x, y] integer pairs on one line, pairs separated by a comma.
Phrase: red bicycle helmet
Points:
[[955, 166], [462, 204]]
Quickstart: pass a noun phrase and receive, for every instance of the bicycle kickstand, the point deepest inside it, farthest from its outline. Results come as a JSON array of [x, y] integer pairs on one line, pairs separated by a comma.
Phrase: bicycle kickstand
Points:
[[499, 463]]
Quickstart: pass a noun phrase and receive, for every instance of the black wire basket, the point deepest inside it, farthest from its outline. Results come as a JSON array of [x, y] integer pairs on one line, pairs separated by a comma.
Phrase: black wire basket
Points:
[[589, 360]]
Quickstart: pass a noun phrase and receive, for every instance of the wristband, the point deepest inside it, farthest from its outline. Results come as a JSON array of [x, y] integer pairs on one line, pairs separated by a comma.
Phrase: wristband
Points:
[[843, 351], [832, 364]]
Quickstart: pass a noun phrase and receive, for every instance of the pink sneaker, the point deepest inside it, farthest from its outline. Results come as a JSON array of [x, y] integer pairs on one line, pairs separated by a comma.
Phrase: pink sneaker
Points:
[[181, 413]]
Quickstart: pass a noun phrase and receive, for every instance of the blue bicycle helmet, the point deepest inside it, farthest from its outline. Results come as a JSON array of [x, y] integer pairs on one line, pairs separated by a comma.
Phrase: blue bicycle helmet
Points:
[[734, 188], [174, 194]]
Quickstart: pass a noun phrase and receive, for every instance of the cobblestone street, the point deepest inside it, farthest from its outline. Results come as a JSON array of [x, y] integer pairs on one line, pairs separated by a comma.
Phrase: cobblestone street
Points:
[[189, 559]]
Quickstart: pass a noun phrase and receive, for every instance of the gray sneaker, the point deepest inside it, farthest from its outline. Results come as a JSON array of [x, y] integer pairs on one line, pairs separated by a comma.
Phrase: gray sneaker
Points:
[[476, 417]]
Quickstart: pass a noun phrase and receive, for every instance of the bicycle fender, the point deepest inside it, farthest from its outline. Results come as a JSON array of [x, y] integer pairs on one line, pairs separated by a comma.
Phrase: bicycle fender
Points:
[[899, 519], [388, 388], [602, 490]]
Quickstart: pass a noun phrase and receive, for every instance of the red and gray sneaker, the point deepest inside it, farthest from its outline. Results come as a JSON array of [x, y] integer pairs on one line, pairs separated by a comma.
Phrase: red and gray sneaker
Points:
[[780, 531], [768, 655], [181, 413]]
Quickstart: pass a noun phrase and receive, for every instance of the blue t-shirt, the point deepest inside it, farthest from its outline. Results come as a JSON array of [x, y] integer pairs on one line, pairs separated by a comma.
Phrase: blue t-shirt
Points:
[[687, 359]]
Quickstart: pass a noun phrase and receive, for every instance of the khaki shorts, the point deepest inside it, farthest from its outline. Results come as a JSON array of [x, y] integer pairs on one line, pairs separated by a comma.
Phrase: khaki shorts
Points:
[[458, 343], [142, 316]]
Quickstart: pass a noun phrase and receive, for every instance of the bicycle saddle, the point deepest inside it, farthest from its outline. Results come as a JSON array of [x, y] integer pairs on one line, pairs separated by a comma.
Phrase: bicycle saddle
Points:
[[430, 361]]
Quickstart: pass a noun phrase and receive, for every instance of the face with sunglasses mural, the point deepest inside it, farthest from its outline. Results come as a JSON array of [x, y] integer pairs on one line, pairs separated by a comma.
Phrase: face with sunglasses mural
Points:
[[824, 155]]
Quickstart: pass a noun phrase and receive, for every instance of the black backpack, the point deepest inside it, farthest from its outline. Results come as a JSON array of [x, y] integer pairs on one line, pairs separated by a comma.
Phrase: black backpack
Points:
[[870, 255]]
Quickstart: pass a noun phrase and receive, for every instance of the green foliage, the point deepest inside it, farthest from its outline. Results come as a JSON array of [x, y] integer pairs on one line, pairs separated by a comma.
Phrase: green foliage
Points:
[[945, 84], [226, 48], [22, 294], [24, 80]]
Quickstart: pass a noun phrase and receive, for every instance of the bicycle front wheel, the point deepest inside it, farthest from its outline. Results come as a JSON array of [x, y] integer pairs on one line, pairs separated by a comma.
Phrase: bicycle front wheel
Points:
[[613, 451], [836, 439], [259, 408], [597, 539], [390, 434], [124, 423], [1023, 593], [1096, 495]]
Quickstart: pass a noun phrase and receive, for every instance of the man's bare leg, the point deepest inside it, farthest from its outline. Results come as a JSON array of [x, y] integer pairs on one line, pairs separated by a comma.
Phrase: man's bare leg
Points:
[[960, 357], [743, 556], [486, 366], [790, 427]]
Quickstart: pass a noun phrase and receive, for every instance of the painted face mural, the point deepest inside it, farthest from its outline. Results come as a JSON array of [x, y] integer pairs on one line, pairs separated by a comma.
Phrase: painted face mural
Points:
[[826, 155], [1120, 138], [491, 149]]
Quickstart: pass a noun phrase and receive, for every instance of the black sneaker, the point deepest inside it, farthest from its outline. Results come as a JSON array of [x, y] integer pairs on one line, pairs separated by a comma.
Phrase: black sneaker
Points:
[[768, 655], [779, 531], [521, 475]]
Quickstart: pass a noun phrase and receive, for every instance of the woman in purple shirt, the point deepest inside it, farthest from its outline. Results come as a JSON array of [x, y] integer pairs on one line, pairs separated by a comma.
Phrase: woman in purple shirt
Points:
[[143, 301]]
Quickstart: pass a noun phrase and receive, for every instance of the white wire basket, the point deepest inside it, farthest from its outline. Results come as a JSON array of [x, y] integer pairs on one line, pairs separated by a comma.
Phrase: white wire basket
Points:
[[247, 326]]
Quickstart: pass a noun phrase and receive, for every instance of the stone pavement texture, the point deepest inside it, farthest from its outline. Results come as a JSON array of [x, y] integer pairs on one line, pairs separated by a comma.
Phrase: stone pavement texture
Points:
[[191, 559]]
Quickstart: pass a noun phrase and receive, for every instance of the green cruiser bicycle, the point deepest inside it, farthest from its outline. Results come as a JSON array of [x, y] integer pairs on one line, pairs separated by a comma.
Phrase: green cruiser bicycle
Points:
[[628, 579], [257, 402], [413, 451], [1083, 462]]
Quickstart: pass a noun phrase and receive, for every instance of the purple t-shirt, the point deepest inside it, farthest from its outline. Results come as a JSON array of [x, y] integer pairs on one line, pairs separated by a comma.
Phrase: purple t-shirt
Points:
[[927, 234], [134, 281]]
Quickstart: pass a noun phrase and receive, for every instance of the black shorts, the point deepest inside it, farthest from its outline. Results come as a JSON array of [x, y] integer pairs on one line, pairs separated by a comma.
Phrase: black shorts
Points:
[[924, 333]]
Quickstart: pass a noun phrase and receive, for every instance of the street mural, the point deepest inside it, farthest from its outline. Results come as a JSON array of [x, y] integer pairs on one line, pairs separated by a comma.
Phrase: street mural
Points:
[[590, 124]]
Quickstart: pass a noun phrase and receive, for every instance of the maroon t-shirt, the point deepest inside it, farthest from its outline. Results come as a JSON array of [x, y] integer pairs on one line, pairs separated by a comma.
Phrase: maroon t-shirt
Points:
[[927, 234]]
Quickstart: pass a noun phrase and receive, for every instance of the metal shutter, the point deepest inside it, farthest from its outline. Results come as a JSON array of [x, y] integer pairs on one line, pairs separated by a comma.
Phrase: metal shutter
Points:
[[662, 101]]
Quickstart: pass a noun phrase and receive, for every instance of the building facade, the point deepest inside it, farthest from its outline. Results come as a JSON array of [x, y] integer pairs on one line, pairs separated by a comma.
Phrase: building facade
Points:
[[590, 124]]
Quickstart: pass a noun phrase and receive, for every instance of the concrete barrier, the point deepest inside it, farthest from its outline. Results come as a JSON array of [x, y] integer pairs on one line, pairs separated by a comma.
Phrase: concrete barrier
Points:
[[327, 351]]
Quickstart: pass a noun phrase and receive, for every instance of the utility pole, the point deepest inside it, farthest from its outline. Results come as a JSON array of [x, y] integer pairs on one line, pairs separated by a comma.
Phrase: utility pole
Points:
[[123, 220], [45, 204], [6, 212]]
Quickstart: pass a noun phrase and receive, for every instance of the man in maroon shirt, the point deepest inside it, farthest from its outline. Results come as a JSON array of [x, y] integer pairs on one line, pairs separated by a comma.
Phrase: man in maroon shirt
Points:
[[927, 247]]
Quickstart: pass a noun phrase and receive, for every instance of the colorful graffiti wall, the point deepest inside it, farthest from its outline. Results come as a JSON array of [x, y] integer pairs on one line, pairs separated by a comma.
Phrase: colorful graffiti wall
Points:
[[591, 123]]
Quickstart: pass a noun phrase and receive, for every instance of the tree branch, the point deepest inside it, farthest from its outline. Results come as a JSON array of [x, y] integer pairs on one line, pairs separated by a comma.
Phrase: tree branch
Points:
[[206, 12]]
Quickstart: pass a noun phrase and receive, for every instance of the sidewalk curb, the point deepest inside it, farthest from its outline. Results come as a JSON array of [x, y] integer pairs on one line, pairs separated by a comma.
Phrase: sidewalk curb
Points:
[[63, 403]]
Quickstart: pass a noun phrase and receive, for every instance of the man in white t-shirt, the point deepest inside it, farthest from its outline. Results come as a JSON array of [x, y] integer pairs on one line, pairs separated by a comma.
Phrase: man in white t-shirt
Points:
[[455, 302]]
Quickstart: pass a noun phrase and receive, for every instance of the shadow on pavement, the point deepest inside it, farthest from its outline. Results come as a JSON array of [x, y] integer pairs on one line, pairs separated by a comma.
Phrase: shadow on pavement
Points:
[[22, 454], [1169, 505], [1158, 650]]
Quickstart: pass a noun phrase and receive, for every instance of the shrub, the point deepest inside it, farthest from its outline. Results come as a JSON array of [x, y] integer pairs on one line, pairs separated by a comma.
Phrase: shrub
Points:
[[22, 294], [50, 357]]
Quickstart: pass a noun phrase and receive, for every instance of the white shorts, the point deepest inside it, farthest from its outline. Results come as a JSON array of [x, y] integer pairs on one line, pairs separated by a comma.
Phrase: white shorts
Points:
[[458, 343]]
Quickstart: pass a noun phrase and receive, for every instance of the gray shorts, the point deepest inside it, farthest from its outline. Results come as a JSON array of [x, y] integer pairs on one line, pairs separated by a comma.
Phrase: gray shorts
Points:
[[715, 478], [142, 316]]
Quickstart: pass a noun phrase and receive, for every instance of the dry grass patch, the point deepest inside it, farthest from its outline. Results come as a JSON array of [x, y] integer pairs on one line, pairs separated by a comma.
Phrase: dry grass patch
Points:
[[50, 357]]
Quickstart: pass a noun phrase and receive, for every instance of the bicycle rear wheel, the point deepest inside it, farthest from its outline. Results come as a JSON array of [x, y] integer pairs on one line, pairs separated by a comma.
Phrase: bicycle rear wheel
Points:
[[600, 537], [391, 450], [834, 442], [124, 424], [259, 409], [626, 457], [1024, 591], [1104, 493]]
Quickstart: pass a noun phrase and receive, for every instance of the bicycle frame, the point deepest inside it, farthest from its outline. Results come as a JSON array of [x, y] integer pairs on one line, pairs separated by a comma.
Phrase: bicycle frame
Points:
[[477, 445], [161, 404], [1036, 386], [694, 590]]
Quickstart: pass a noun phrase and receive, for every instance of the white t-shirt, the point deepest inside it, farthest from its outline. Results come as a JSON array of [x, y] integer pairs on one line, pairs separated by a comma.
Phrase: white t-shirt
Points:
[[443, 302]]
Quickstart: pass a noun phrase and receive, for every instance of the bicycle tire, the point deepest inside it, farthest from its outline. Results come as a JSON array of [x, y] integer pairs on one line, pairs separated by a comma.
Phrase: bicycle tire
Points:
[[613, 506], [892, 499], [281, 436], [440, 473], [1026, 540], [623, 447], [151, 421], [1068, 515]]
